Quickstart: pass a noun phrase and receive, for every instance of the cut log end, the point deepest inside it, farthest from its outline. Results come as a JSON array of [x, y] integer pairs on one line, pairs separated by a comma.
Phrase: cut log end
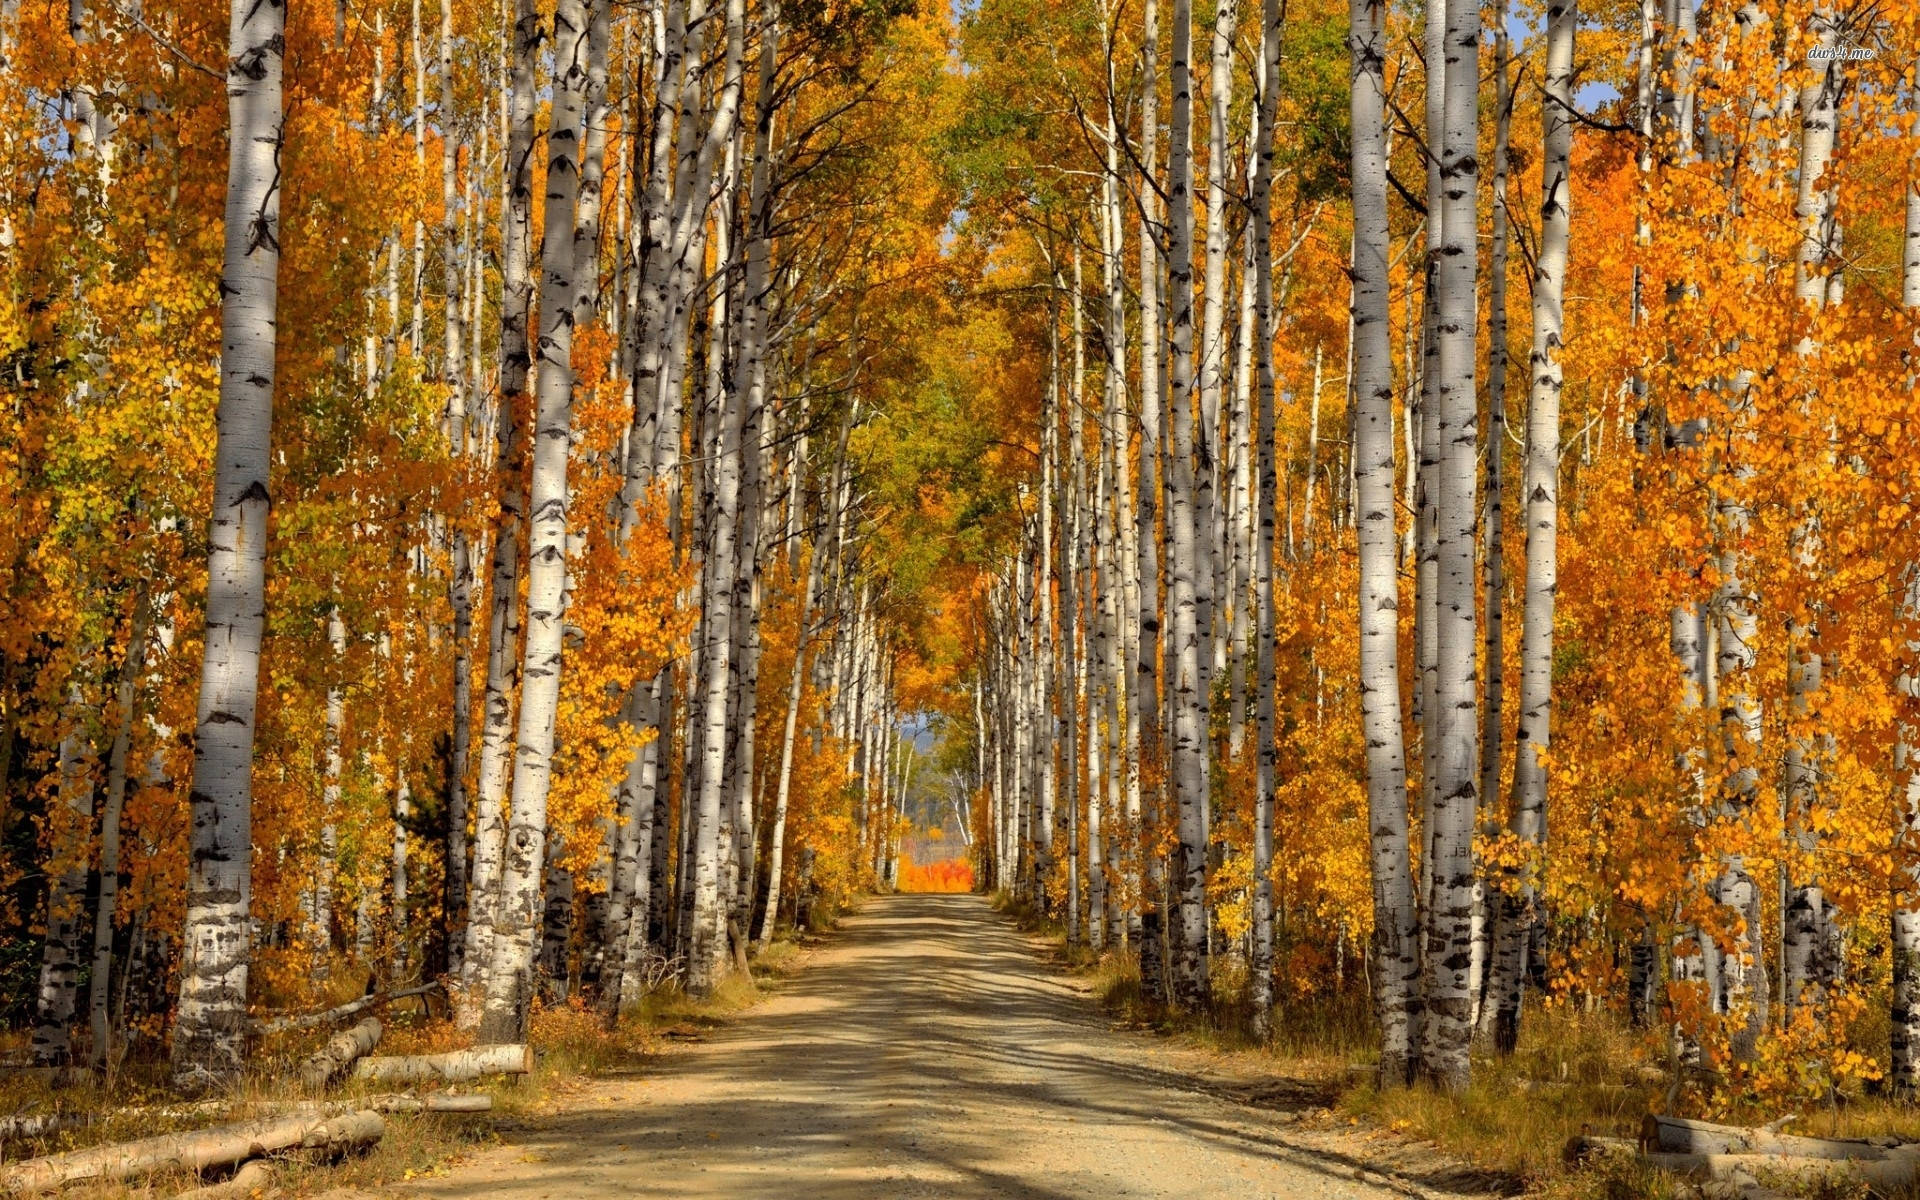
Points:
[[340, 1052]]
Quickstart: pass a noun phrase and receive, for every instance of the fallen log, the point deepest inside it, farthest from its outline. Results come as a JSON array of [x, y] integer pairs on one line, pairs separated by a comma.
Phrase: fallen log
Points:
[[42, 1124], [199, 1150], [339, 1053], [1898, 1170], [1673, 1135], [283, 1024], [389, 1102], [451, 1067], [432, 1102], [254, 1175]]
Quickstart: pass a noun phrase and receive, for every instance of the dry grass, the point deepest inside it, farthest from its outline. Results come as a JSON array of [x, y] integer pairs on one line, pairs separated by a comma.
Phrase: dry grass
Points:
[[572, 1042]]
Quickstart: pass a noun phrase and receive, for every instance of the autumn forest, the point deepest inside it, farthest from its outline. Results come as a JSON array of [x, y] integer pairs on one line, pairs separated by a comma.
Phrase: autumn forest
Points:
[[1383, 514]]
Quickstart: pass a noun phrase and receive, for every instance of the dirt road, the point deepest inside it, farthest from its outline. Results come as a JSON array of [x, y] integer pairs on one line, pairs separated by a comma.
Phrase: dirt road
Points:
[[925, 1052]]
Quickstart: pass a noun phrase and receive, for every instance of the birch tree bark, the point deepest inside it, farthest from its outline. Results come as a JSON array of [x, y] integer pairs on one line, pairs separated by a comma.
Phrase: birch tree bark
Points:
[[1396, 952], [1211, 597], [1188, 686], [453, 371], [1520, 909], [210, 1023], [1454, 727], [1266, 750], [517, 918], [706, 947], [503, 625], [1493, 562], [1147, 700]]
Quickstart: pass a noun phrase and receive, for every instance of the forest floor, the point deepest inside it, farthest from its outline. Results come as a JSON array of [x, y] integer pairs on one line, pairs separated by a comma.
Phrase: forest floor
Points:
[[927, 1049]]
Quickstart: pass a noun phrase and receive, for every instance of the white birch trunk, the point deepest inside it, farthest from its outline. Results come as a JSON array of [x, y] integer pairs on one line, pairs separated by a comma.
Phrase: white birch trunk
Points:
[[210, 1022], [503, 626], [1453, 720], [453, 372], [706, 949], [1492, 724], [1520, 910], [1188, 697], [1266, 749], [1904, 931], [1397, 959], [517, 917], [1145, 713]]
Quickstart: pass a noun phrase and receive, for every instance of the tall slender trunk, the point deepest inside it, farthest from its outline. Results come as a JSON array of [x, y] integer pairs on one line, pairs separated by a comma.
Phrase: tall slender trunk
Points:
[[1120, 582], [1454, 724], [1266, 749], [706, 949], [1396, 953], [1188, 686], [776, 849], [596, 114], [1147, 721], [1492, 726], [503, 626], [1424, 445], [1071, 458], [453, 371], [1210, 594], [1313, 460], [1520, 915], [209, 1030], [755, 368], [460, 575], [517, 918], [100, 977], [1904, 930]]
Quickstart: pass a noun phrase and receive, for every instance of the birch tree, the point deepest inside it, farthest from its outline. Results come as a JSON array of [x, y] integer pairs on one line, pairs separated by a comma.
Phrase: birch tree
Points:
[[1396, 952], [1187, 690], [518, 912], [210, 1025], [503, 588], [1531, 741], [1266, 748]]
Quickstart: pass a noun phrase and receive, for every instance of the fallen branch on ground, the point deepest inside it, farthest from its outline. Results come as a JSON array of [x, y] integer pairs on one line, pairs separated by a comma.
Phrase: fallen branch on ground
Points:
[[199, 1150], [388, 1102], [452, 1066], [283, 1024], [474, 1102], [339, 1053]]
